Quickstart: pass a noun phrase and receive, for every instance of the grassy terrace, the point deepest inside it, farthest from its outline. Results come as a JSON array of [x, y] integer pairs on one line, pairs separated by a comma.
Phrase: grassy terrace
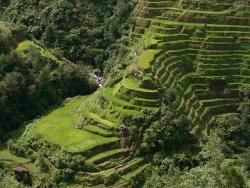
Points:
[[174, 9], [108, 94], [176, 23], [97, 118], [98, 144], [126, 179], [127, 167], [171, 37], [188, 57], [57, 127], [213, 102], [25, 45], [229, 33], [163, 64], [98, 130], [11, 161], [97, 159], [122, 105], [133, 85], [171, 69], [146, 58], [126, 171], [209, 112], [199, 17], [167, 30], [204, 52], [124, 111], [5, 155]]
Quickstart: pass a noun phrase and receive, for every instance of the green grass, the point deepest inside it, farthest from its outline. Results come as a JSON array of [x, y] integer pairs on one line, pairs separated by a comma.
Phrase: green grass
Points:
[[146, 58], [98, 118], [108, 94], [125, 111], [106, 154], [133, 85], [57, 127], [6, 155], [96, 129], [25, 45]]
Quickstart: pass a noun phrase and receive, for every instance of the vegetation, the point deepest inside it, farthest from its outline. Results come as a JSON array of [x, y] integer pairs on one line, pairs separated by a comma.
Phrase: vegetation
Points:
[[221, 161], [57, 128], [174, 108], [81, 31], [146, 58], [32, 79]]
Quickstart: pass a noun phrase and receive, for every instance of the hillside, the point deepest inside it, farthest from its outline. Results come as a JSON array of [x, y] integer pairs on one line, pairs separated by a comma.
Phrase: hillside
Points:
[[82, 31], [201, 51], [173, 112], [32, 78]]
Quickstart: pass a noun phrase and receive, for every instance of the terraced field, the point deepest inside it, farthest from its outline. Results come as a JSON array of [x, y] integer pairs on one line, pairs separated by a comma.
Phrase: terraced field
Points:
[[97, 142], [111, 159], [204, 54], [199, 49]]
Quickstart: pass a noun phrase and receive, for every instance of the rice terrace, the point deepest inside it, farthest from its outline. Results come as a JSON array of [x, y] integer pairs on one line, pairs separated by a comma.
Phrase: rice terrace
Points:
[[125, 93]]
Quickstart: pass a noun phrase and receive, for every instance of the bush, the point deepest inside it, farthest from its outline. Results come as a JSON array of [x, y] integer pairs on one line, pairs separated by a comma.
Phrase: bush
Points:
[[166, 132], [111, 179], [9, 181], [41, 163]]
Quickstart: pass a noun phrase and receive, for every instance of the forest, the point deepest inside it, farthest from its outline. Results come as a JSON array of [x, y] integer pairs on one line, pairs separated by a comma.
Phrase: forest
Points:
[[124, 93]]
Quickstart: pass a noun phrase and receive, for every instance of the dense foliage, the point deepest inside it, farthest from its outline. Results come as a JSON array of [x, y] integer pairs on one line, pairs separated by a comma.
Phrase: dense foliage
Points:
[[220, 159], [82, 31], [55, 165]]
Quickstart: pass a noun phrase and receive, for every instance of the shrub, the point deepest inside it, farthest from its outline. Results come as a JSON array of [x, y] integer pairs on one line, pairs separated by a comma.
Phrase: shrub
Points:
[[41, 163]]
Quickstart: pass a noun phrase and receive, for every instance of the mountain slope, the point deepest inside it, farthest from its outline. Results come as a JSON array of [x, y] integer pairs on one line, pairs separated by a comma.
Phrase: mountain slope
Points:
[[32, 78], [199, 50]]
